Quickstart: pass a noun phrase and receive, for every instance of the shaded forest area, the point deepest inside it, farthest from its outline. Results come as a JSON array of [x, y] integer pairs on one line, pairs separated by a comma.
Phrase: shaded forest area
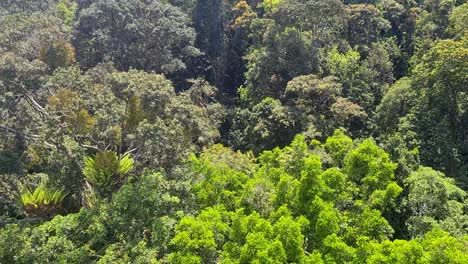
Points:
[[233, 131]]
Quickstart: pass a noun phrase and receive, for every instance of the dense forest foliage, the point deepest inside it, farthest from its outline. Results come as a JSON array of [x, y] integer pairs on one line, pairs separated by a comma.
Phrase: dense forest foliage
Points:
[[233, 131]]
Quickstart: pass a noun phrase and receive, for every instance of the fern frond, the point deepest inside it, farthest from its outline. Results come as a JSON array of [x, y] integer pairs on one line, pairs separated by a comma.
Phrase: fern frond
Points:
[[41, 200], [125, 165], [105, 171]]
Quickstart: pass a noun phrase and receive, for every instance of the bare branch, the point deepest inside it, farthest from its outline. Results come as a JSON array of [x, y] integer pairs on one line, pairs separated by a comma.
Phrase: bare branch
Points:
[[31, 136], [15, 131], [36, 105], [130, 151], [90, 147]]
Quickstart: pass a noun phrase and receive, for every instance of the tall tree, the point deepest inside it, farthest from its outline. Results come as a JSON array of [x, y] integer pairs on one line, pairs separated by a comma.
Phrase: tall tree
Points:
[[146, 35]]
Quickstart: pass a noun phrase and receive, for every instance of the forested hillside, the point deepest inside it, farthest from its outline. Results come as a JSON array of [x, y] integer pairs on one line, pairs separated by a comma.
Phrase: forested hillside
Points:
[[233, 131]]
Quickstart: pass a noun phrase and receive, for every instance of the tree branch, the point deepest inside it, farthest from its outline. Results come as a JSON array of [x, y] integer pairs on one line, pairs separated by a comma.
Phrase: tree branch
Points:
[[31, 136], [130, 151], [90, 147], [35, 104], [14, 131]]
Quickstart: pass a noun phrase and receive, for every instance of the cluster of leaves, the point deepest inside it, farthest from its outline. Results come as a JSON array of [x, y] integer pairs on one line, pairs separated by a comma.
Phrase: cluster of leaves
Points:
[[336, 202], [121, 231], [354, 53], [42, 201], [106, 171]]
